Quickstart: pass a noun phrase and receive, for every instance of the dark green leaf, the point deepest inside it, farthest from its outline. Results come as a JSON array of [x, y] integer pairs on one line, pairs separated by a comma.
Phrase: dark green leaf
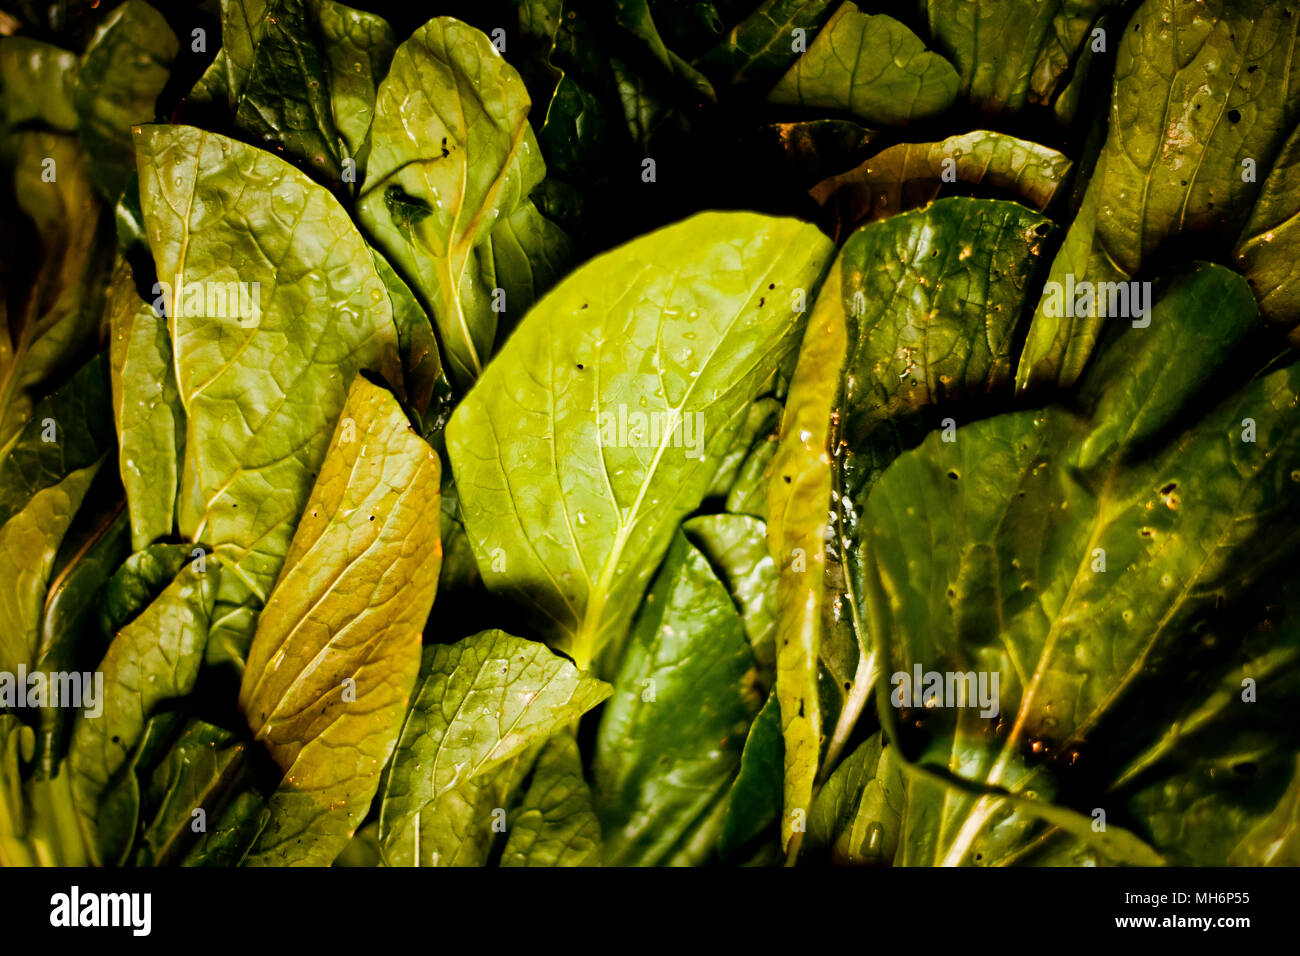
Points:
[[871, 66], [122, 72], [1224, 70], [154, 659], [671, 736], [754, 803]]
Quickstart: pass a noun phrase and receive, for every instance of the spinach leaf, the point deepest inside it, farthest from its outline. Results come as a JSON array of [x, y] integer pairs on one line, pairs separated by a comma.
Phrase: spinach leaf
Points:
[[147, 408], [754, 802], [122, 73], [671, 736], [871, 66], [274, 305], [761, 47], [857, 815], [153, 660], [1037, 511], [1264, 252], [188, 788], [358, 48], [1014, 52], [336, 651], [54, 324], [917, 315], [276, 81], [93, 547], [1224, 71], [451, 153], [555, 824], [736, 548], [44, 478], [39, 82], [572, 454], [478, 704]]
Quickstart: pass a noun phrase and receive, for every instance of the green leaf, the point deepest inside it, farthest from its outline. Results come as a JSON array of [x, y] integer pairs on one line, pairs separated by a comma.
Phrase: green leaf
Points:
[[857, 813], [451, 153], [261, 394], [754, 803], [29, 542], [44, 477], [760, 47], [1211, 813], [932, 299], [670, 739], [15, 848], [1265, 253], [147, 408], [122, 72], [96, 543], [277, 83], [228, 842], [358, 48], [140, 579], [336, 651], [1274, 841], [911, 175], [871, 66], [556, 824], [152, 660], [1012, 52], [478, 703], [748, 493], [117, 820], [71, 429], [576, 134], [460, 827], [761, 421], [798, 509], [635, 18], [1073, 553], [362, 849], [38, 82], [57, 324], [1201, 768], [213, 87], [424, 383], [528, 254], [736, 548], [1223, 70], [187, 789], [925, 314], [601, 423]]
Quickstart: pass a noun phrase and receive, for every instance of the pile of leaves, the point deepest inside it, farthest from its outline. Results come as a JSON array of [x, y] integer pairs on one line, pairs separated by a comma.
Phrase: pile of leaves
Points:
[[552, 432]]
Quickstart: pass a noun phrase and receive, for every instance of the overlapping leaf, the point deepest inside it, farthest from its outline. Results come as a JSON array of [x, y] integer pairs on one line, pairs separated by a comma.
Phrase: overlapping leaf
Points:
[[332, 665], [568, 506]]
